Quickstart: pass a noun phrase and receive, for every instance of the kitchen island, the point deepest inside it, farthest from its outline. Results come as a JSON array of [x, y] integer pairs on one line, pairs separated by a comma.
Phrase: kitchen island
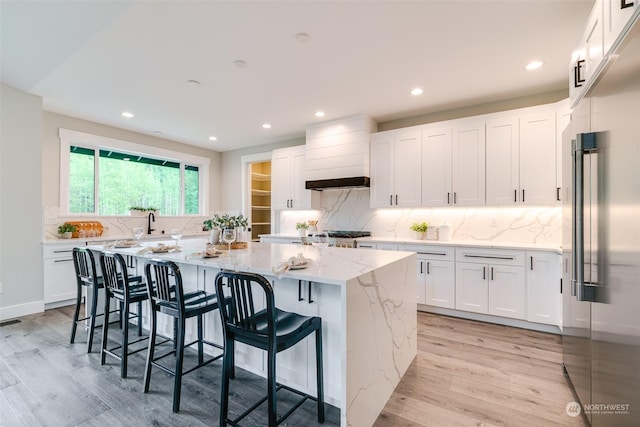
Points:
[[367, 302]]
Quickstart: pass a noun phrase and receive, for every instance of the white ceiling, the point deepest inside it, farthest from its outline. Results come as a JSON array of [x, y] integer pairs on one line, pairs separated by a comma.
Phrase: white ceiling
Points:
[[95, 59]]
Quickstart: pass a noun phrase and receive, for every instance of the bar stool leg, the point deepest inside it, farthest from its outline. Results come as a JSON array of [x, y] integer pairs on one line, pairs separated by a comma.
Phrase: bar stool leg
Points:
[[271, 392], [125, 342], [227, 360], [320, 387], [76, 313], [105, 333], [179, 361], [150, 350], [139, 318], [200, 338], [92, 318]]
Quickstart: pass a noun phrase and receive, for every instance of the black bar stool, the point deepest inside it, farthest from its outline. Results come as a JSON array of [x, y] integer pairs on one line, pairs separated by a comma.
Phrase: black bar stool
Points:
[[164, 287], [86, 277], [271, 330], [118, 287]]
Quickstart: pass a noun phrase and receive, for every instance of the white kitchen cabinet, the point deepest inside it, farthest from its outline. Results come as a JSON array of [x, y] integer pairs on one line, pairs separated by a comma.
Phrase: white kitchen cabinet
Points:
[[436, 274], [616, 15], [395, 169], [544, 298], [538, 159], [588, 55], [59, 273], [490, 281], [468, 163], [521, 159], [436, 166], [288, 180], [387, 246], [563, 117], [503, 161]]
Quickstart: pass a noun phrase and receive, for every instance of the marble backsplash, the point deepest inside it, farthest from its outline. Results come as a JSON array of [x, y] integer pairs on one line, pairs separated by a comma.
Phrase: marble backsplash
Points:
[[117, 227], [349, 210]]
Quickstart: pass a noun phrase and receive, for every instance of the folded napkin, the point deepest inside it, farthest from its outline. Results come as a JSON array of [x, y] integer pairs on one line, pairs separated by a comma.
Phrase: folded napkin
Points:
[[292, 262], [161, 248]]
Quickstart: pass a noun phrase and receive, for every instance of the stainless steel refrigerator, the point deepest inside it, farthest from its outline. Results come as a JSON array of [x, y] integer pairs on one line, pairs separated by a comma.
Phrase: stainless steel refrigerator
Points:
[[601, 243]]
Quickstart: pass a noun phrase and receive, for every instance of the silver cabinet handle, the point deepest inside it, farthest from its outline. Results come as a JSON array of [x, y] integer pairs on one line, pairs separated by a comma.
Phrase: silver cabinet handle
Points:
[[432, 253], [510, 258], [396, 200], [558, 194], [515, 195], [63, 260], [484, 273], [523, 195], [531, 263], [421, 265], [448, 198], [491, 273], [428, 272], [390, 199]]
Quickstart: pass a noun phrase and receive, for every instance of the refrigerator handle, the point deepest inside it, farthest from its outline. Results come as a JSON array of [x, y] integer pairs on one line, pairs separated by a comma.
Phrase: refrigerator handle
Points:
[[583, 144]]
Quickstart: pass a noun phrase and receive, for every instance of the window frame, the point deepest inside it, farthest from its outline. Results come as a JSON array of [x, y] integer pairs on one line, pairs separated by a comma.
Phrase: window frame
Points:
[[70, 138]]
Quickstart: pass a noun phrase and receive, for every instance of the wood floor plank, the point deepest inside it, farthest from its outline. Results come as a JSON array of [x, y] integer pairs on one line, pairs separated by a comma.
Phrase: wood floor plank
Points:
[[466, 373]]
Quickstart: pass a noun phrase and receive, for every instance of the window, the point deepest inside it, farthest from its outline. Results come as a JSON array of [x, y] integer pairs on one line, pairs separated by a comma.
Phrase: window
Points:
[[103, 178]]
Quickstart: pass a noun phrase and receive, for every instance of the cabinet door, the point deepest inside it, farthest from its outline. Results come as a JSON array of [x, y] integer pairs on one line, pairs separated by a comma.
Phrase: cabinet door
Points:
[[436, 167], [616, 15], [407, 170], [506, 291], [503, 162], [422, 277], [280, 179], [59, 279], [440, 283], [544, 300], [563, 117], [538, 159], [300, 197], [381, 170], [469, 164], [472, 292]]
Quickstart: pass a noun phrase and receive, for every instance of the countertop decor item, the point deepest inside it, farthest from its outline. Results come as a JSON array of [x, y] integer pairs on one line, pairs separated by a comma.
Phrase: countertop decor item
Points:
[[66, 230], [303, 229], [420, 229], [444, 231], [140, 211]]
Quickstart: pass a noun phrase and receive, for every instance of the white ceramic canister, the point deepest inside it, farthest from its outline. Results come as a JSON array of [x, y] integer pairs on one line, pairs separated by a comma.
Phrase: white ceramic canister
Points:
[[444, 231]]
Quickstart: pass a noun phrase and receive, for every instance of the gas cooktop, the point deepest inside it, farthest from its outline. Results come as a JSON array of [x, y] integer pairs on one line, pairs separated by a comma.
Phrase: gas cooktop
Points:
[[344, 234]]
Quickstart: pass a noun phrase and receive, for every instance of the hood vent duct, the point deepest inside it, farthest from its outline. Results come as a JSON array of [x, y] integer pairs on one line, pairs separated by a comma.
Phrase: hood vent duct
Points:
[[337, 183]]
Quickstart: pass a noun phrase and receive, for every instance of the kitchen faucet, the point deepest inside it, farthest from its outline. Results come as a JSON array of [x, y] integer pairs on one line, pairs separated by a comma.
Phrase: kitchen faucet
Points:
[[151, 217]]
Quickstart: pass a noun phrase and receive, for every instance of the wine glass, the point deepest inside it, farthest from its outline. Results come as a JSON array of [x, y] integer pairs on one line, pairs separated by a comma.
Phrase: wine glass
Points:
[[229, 236], [320, 240], [176, 234], [137, 233]]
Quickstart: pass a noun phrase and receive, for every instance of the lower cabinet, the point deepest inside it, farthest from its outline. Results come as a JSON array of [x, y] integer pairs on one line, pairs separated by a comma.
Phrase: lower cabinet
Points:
[[491, 282], [436, 274], [544, 298], [59, 274]]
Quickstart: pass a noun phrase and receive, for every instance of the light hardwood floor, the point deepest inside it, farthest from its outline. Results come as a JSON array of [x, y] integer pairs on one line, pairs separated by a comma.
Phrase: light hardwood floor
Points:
[[466, 374]]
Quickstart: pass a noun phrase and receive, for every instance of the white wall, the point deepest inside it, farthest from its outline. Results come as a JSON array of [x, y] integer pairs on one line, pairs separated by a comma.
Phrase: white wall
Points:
[[21, 207], [231, 174]]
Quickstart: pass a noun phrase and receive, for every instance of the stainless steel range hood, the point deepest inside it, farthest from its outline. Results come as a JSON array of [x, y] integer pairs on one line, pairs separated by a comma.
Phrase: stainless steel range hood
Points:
[[337, 183]]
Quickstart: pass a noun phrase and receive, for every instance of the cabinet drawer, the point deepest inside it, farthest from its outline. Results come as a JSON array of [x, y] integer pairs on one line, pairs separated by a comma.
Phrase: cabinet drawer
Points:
[[59, 251], [441, 253], [491, 256]]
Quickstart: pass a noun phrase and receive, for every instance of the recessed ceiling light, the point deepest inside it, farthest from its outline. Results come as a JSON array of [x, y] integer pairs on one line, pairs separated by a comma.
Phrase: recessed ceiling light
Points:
[[213, 138], [266, 125], [127, 114], [302, 37], [193, 83], [533, 65], [417, 91], [239, 63], [319, 114]]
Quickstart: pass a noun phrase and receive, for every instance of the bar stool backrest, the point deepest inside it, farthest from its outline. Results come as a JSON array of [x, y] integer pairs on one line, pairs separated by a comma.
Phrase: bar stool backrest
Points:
[[114, 272], [164, 284], [85, 266], [239, 316]]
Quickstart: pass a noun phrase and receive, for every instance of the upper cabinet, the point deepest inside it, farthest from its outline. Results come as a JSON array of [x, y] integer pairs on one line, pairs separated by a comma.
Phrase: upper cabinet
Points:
[[436, 166], [607, 25], [288, 180], [395, 169], [468, 163], [499, 159]]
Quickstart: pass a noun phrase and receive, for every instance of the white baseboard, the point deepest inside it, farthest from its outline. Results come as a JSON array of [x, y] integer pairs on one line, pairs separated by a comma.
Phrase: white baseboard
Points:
[[20, 310], [553, 329]]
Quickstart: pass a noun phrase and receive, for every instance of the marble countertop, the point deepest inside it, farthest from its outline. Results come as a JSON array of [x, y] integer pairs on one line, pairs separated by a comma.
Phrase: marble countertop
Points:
[[334, 266], [468, 243], [98, 240]]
